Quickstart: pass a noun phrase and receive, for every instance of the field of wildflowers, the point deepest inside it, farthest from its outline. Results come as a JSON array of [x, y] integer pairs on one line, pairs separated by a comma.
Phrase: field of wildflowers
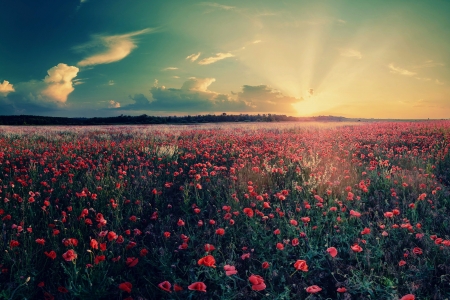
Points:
[[226, 212]]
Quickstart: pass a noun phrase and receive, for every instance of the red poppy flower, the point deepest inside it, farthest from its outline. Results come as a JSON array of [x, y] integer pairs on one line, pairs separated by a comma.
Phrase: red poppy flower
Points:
[[356, 248], [40, 241], [295, 242], [13, 244], [417, 251], [355, 213], [70, 255], [131, 262], [165, 286], [112, 236], [220, 231], [51, 254], [126, 287], [408, 297], [341, 290], [280, 246], [62, 289], [249, 212], [207, 261], [332, 251], [265, 265], [98, 259], [257, 282], [402, 263], [365, 231], [94, 244], [301, 265], [230, 270], [209, 247], [177, 288], [197, 286], [313, 289]]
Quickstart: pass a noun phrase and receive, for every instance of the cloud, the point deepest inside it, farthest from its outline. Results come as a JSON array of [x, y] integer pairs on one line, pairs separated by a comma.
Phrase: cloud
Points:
[[195, 95], [340, 21], [194, 57], [6, 88], [59, 82], [265, 98], [170, 69], [438, 82], [113, 104], [218, 6], [213, 59], [115, 48], [111, 82], [350, 53], [176, 77], [428, 64], [397, 70], [311, 92]]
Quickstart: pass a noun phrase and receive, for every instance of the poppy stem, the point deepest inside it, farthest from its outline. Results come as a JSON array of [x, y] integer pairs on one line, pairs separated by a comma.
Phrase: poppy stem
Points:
[[293, 273]]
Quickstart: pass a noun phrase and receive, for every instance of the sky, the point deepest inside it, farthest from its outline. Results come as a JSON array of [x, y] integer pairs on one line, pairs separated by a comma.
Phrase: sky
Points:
[[98, 58]]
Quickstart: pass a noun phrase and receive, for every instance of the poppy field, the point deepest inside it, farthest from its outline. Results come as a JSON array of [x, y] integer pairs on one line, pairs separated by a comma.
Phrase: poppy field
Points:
[[273, 211]]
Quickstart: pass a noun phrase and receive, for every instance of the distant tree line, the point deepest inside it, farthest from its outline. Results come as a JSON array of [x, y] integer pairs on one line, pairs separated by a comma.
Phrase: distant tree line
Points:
[[145, 119]]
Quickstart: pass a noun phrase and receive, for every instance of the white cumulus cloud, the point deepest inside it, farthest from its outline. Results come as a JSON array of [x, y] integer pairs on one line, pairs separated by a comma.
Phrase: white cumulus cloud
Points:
[[213, 59], [60, 82], [115, 48], [113, 104], [6, 87]]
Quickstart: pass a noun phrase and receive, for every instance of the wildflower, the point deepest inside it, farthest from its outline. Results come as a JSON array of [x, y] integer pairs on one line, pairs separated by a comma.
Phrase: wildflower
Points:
[[209, 248], [402, 263], [229, 270], [257, 282], [280, 246], [197, 286], [341, 290], [220, 231], [356, 248], [70, 255], [94, 244], [112, 236], [313, 289], [408, 297], [165, 286], [98, 259], [295, 242], [245, 256], [365, 231], [332, 251], [13, 244], [301, 265], [62, 289], [265, 265], [293, 222], [355, 213], [126, 287], [51, 254], [417, 251], [143, 252], [180, 222], [131, 262], [177, 288], [207, 261], [249, 212], [40, 241], [276, 231]]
